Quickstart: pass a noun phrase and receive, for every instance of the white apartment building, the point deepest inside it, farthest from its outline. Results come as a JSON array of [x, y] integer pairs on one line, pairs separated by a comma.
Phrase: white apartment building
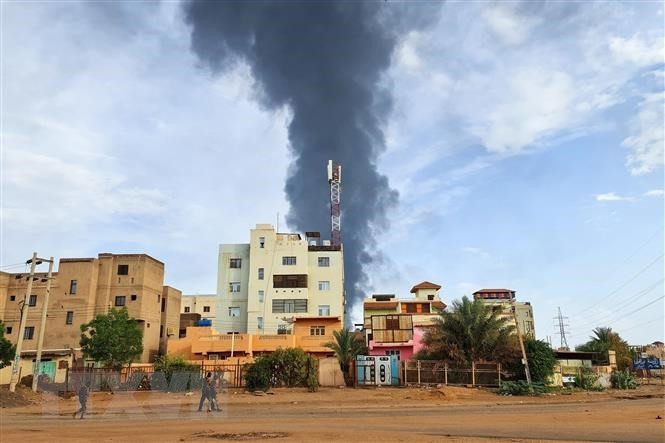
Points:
[[264, 285]]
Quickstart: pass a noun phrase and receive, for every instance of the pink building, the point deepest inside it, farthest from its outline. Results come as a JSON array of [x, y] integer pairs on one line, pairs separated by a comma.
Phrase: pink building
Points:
[[396, 326]]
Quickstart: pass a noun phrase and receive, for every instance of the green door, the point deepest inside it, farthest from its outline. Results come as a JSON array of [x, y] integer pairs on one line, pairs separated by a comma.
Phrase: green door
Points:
[[48, 368]]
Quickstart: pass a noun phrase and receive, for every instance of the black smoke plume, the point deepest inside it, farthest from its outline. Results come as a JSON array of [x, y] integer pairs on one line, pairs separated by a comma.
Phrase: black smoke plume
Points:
[[324, 60]]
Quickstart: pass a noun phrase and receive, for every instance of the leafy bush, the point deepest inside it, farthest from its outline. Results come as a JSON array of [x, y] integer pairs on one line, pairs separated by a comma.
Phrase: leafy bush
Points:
[[589, 381], [521, 387], [623, 380], [176, 374], [288, 367], [258, 374]]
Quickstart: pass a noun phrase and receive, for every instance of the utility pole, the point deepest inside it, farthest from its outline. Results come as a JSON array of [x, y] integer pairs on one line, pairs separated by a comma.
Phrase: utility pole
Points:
[[21, 330], [519, 336], [42, 326]]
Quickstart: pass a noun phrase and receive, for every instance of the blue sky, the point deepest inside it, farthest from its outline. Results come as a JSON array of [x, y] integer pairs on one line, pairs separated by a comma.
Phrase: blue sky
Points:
[[526, 144]]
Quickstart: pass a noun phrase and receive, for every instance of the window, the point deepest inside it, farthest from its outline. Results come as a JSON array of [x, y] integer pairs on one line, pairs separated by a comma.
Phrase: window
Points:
[[324, 286], [164, 304], [289, 305], [234, 286], [159, 298], [73, 286], [324, 310], [133, 297], [392, 322], [234, 311], [29, 333], [32, 301], [12, 298], [206, 309], [9, 329], [288, 261], [261, 272], [123, 269], [259, 322], [317, 330], [283, 330], [70, 318], [235, 263], [186, 309], [120, 300], [161, 331], [289, 281], [324, 262], [394, 352], [262, 242], [262, 296], [430, 297]]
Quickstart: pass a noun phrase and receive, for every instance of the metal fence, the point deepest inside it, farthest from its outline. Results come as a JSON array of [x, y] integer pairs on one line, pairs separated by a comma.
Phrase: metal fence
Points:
[[145, 377], [431, 372]]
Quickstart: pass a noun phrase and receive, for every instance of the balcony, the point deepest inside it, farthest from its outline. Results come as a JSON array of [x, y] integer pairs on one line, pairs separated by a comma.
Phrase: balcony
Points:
[[315, 343], [264, 343], [221, 343]]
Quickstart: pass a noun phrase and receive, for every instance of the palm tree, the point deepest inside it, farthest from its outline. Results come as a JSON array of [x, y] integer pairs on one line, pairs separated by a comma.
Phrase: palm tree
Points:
[[346, 346], [605, 339], [471, 331]]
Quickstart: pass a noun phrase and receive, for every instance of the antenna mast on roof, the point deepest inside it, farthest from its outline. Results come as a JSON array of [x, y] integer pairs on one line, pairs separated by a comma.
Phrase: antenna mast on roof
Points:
[[335, 180]]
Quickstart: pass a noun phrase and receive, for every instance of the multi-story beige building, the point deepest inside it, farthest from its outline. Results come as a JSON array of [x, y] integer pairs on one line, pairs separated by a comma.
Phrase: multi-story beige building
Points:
[[204, 305], [505, 298], [85, 287], [262, 286]]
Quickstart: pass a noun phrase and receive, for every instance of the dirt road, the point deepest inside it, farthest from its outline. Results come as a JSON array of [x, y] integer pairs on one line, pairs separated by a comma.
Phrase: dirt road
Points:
[[380, 415]]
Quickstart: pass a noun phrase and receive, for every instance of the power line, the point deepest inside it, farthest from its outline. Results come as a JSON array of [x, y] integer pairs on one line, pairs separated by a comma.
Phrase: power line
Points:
[[637, 310], [640, 272], [641, 325], [629, 300]]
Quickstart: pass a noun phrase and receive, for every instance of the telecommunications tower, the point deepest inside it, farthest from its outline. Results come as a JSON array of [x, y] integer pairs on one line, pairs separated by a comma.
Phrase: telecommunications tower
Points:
[[335, 180]]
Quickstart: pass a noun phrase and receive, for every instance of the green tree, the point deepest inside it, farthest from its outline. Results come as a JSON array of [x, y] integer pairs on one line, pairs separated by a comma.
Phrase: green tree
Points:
[[471, 331], [541, 359], [603, 340], [114, 339], [7, 349], [346, 346]]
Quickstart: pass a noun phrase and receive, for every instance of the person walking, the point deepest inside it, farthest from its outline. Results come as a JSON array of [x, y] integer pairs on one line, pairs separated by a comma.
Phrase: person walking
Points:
[[205, 392], [213, 393], [83, 394]]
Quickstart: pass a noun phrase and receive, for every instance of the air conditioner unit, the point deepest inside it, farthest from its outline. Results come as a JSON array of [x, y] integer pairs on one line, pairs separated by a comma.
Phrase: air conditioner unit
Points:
[[170, 331], [326, 242]]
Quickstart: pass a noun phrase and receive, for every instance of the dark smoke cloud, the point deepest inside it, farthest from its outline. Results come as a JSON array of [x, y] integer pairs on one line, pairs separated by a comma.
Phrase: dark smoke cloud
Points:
[[325, 61]]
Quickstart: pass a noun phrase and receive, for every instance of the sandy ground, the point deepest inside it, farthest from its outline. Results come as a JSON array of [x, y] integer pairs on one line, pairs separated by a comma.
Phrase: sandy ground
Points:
[[332, 414]]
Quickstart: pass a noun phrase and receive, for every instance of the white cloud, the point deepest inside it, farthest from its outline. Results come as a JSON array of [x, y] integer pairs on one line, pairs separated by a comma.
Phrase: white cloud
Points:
[[654, 193], [638, 49], [512, 28], [407, 52], [120, 143], [648, 140], [475, 251], [535, 102], [611, 197]]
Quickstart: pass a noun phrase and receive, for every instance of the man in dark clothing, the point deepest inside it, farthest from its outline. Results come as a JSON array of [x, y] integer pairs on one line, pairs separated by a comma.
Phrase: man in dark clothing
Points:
[[83, 393], [205, 392]]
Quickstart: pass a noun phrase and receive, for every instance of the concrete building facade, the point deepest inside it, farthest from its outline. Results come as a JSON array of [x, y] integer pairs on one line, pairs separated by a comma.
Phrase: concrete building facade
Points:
[[396, 326], [85, 287], [505, 299], [264, 285]]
